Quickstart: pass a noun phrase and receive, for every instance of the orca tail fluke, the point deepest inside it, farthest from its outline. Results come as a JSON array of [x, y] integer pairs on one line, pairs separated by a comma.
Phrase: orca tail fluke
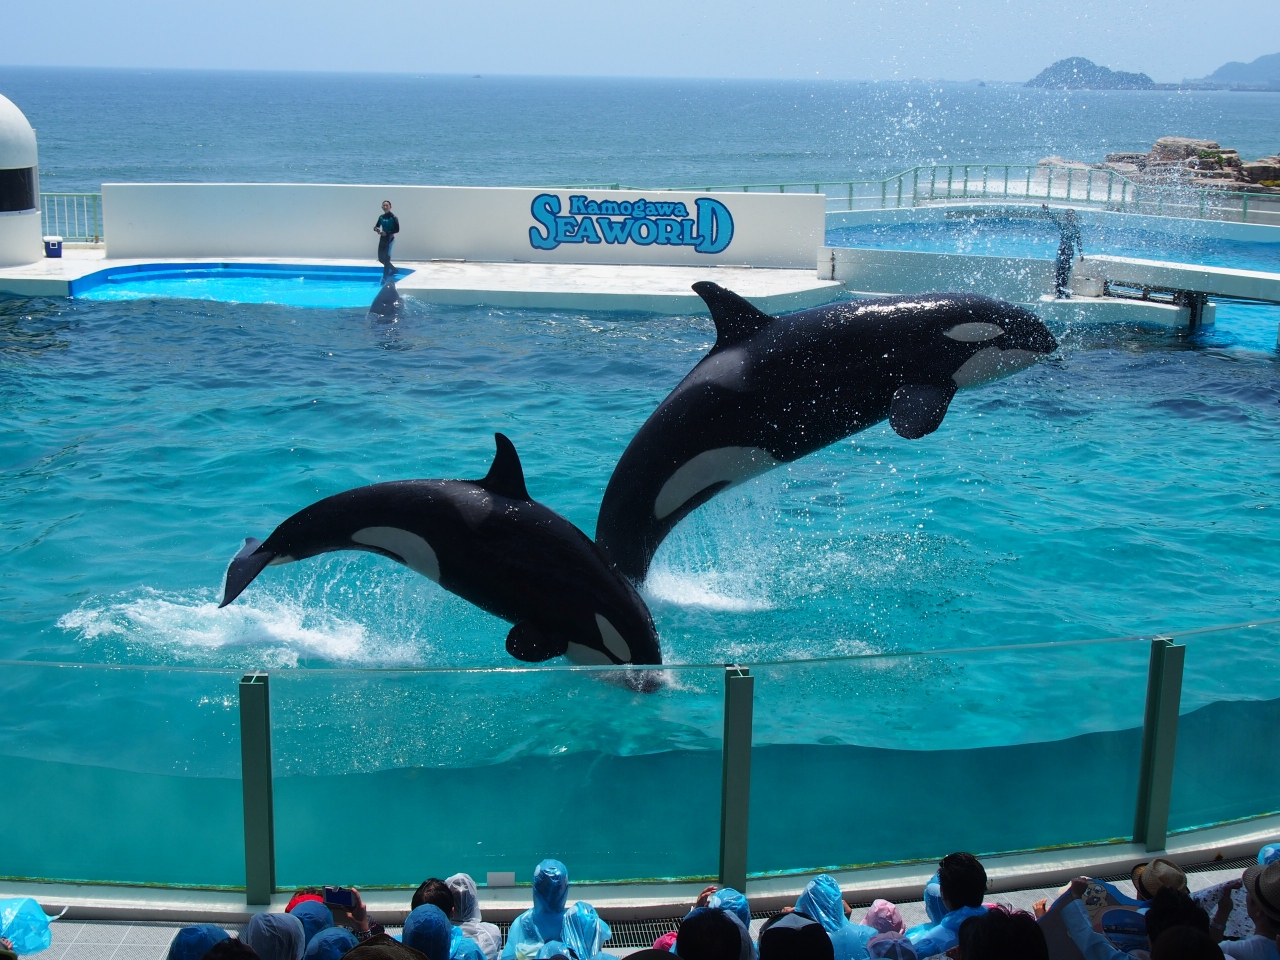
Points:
[[245, 566]]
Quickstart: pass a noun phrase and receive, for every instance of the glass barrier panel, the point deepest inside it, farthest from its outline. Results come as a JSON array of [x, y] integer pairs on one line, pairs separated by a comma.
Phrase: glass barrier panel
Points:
[[121, 775], [902, 758], [1228, 753], [383, 778]]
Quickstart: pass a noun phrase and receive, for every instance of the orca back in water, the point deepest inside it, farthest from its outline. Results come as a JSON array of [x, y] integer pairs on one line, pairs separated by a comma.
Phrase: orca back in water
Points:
[[488, 542], [773, 389], [387, 305]]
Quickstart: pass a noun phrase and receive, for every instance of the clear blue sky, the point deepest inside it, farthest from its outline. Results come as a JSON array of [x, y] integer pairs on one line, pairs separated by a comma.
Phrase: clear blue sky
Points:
[[863, 39]]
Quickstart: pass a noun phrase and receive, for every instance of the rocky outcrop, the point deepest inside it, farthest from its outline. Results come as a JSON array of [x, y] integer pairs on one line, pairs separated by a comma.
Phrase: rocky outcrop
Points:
[[1077, 73], [1191, 162]]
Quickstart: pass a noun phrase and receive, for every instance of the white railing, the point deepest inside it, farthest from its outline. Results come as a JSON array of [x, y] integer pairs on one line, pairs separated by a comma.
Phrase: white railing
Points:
[[76, 217]]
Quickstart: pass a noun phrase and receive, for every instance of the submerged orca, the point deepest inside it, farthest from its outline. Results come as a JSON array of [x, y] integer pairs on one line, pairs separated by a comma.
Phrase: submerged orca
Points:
[[773, 389], [387, 304], [491, 544]]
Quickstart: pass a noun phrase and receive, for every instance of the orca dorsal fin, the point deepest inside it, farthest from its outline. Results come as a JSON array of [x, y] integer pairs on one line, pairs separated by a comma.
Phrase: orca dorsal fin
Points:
[[734, 317], [505, 476]]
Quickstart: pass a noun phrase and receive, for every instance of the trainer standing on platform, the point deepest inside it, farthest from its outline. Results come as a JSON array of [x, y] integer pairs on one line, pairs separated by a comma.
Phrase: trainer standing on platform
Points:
[[386, 228]]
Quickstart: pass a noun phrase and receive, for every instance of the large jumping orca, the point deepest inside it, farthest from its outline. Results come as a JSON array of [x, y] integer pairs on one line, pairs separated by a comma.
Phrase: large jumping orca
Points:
[[491, 544], [773, 389]]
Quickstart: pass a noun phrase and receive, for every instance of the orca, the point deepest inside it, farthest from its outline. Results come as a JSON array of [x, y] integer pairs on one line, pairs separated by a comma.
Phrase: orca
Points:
[[388, 304], [773, 389], [488, 542]]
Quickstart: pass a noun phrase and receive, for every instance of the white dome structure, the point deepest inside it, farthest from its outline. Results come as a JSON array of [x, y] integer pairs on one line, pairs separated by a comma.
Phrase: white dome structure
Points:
[[20, 240]]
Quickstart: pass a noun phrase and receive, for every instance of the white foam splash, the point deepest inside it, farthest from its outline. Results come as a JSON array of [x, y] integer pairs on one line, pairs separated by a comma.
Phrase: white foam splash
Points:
[[727, 591], [268, 631]]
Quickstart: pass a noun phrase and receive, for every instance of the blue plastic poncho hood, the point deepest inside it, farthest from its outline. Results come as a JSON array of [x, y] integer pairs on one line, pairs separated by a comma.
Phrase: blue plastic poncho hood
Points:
[[462, 947], [276, 936], [314, 918], [584, 931], [192, 943], [934, 906], [822, 901], [727, 898], [25, 925], [330, 944], [428, 931], [550, 887]]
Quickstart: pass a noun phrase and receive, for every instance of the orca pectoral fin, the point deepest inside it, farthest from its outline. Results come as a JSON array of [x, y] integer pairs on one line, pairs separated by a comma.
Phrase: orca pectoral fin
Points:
[[527, 642], [918, 408], [245, 565]]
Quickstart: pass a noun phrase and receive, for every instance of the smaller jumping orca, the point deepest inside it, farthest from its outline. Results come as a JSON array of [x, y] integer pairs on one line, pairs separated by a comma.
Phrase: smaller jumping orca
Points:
[[773, 389], [388, 304], [490, 543]]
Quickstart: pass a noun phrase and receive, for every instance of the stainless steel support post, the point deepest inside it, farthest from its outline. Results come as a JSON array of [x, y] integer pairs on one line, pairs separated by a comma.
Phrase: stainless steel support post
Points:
[[255, 772], [1159, 738], [735, 781]]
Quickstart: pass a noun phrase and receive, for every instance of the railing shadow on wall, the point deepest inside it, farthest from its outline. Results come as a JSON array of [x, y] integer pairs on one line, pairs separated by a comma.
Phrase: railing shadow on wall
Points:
[[174, 776]]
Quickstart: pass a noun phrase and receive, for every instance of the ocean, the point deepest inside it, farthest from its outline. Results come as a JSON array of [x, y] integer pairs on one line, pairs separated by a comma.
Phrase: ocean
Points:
[[124, 125]]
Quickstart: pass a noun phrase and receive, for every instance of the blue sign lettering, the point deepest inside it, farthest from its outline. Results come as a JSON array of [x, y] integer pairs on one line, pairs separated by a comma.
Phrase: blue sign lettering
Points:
[[709, 230]]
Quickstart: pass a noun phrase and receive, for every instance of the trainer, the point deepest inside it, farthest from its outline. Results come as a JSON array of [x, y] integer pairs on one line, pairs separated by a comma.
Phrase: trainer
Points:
[[386, 228]]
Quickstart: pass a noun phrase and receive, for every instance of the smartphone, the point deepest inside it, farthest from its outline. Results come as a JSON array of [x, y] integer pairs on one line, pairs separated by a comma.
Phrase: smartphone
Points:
[[339, 896]]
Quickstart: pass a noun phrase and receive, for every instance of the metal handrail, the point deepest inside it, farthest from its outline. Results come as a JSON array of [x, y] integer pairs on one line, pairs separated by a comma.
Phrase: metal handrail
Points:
[[76, 217]]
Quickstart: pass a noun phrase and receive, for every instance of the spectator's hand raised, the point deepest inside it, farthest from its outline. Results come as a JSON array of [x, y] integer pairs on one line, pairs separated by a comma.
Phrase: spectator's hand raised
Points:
[[705, 896], [1078, 886], [356, 915]]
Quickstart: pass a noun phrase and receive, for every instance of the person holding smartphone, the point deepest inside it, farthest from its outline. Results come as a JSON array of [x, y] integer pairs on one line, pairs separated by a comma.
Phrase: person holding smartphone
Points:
[[386, 228]]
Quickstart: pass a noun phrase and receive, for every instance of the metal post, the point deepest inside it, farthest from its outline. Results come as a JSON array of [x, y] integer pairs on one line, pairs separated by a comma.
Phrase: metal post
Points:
[[255, 772], [1159, 738], [735, 782]]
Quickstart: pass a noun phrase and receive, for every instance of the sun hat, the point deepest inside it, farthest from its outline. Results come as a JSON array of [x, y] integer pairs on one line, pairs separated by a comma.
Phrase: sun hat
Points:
[[1150, 877], [1263, 884]]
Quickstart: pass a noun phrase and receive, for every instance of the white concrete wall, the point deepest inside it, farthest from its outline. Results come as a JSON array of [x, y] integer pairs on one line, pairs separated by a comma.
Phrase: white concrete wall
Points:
[[914, 271], [148, 220], [20, 239]]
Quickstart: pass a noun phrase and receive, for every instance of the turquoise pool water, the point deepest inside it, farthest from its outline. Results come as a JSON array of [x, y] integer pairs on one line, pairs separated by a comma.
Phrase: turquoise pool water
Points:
[[331, 287], [1127, 485]]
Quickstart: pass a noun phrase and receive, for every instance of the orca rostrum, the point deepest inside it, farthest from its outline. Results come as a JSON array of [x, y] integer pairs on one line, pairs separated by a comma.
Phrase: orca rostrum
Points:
[[488, 542], [773, 389]]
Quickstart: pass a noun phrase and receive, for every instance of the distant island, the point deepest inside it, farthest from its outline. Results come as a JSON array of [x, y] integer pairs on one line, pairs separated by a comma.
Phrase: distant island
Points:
[[1077, 73], [1263, 72]]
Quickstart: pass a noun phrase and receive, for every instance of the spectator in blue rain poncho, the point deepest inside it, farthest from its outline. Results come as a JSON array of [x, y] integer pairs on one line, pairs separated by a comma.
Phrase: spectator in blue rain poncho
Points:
[[462, 947], [428, 931], [545, 921], [314, 916], [276, 936], [332, 943], [822, 901], [192, 943], [951, 897], [466, 915], [584, 932]]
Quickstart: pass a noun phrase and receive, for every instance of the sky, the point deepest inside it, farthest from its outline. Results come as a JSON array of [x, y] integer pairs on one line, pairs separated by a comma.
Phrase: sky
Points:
[[836, 39]]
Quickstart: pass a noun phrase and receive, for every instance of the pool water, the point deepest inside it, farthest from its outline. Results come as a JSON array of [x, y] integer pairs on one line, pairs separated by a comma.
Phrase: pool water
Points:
[[328, 287]]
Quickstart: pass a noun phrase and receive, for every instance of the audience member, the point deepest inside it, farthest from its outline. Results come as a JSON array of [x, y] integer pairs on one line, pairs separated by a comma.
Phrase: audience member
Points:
[[890, 946], [302, 895], [884, 917], [1169, 908], [6, 949], [466, 914], [331, 944], [667, 942], [192, 943], [276, 936], [428, 931], [792, 936], [436, 891], [1269, 854], [1185, 943], [1262, 892], [961, 885], [1001, 934], [231, 949], [1149, 877], [709, 933], [728, 899], [383, 946], [545, 921], [315, 917], [822, 901], [584, 932]]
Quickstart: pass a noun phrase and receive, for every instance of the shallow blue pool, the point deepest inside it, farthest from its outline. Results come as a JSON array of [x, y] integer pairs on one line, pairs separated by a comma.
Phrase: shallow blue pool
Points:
[[289, 285]]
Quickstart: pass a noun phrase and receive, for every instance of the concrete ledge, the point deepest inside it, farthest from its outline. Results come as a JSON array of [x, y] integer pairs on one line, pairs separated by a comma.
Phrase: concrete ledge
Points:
[[640, 901]]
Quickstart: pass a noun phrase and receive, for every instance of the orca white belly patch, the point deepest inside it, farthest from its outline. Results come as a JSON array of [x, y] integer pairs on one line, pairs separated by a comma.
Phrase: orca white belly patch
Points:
[[612, 639], [409, 547], [731, 465], [585, 656], [992, 363]]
